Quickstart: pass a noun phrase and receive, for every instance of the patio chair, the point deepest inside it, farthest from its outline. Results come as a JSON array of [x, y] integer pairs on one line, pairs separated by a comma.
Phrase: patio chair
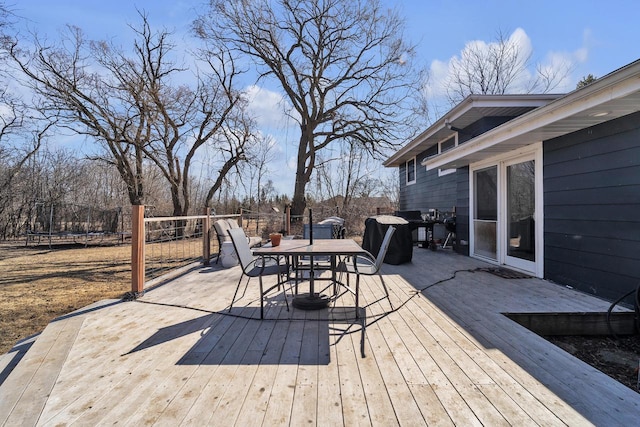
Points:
[[320, 263], [222, 226], [338, 230], [320, 231], [253, 266], [367, 265]]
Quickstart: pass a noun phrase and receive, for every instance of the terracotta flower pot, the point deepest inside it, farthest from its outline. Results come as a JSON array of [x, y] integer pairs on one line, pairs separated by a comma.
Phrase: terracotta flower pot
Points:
[[275, 238]]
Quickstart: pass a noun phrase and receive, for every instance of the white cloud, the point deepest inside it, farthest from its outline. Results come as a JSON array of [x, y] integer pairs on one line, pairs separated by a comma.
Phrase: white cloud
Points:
[[268, 108], [521, 41], [582, 54], [559, 64], [438, 74]]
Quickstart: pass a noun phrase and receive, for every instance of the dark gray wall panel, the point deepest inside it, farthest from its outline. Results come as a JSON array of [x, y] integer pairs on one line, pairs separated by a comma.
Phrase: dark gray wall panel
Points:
[[593, 179], [589, 244], [604, 284], [592, 208], [595, 213], [430, 191]]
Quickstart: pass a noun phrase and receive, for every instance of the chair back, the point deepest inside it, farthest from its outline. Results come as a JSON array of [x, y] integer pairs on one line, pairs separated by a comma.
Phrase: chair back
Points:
[[332, 220], [320, 231], [233, 223], [241, 246], [221, 227], [384, 247]]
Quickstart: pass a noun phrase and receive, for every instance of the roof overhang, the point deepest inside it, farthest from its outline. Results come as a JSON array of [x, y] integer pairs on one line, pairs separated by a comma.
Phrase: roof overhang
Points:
[[470, 110], [614, 95]]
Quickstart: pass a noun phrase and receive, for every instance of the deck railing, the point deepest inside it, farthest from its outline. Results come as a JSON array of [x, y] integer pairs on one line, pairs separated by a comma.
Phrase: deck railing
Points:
[[167, 244]]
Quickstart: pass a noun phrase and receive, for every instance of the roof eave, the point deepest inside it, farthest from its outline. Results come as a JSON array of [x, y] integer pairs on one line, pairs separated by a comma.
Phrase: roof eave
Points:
[[529, 127], [471, 101]]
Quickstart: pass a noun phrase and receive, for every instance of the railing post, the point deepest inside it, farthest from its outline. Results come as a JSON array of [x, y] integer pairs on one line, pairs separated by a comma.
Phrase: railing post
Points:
[[287, 210], [206, 242], [137, 250], [240, 219]]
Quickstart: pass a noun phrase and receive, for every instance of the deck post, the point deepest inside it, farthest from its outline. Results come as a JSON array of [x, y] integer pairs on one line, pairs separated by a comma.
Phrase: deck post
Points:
[[287, 215], [206, 242], [137, 250]]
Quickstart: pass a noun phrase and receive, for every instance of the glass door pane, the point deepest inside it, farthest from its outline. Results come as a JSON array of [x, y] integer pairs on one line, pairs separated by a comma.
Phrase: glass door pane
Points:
[[485, 212], [521, 205]]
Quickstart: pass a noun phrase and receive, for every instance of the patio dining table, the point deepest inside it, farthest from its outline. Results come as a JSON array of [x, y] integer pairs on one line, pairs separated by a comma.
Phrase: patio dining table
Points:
[[297, 249]]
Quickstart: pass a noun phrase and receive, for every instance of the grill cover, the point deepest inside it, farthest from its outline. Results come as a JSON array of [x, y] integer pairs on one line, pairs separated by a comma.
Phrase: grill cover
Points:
[[401, 245]]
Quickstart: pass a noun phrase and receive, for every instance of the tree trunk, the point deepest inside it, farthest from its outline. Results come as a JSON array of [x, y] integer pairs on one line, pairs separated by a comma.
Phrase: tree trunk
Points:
[[298, 204], [306, 150]]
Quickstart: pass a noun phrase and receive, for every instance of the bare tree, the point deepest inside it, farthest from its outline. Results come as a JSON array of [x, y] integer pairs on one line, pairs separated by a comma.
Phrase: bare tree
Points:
[[343, 65], [344, 176], [498, 68], [21, 132], [132, 105], [260, 157], [233, 141], [19, 137]]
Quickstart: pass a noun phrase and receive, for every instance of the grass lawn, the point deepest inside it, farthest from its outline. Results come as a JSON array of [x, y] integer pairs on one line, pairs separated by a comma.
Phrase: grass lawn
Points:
[[38, 284]]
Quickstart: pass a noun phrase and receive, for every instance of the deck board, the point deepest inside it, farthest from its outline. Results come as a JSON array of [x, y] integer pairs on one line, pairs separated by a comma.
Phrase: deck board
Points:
[[40, 369], [492, 381], [549, 364], [443, 356], [395, 397]]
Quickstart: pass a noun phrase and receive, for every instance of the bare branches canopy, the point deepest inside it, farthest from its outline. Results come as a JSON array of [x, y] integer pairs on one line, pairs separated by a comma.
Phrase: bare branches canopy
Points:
[[133, 104], [499, 67], [343, 66]]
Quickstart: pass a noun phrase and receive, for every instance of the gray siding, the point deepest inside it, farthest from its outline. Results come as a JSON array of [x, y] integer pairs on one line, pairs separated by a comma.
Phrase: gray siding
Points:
[[429, 191], [592, 208], [481, 126], [402, 173], [439, 192], [443, 193]]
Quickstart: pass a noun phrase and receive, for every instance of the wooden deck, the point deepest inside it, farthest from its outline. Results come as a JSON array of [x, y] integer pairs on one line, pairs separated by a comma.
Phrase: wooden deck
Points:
[[446, 356]]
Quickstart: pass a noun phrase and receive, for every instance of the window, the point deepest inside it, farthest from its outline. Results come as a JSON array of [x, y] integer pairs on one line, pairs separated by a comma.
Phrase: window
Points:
[[446, 145], [431, 151], [411, 171]]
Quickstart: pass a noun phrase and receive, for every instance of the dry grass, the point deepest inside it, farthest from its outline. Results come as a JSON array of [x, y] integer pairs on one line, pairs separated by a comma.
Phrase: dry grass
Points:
[[38, 284]]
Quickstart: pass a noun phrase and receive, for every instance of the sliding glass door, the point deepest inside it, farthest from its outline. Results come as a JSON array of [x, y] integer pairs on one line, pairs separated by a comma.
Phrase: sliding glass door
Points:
[[520, 239], [485, 215], [506, 211]]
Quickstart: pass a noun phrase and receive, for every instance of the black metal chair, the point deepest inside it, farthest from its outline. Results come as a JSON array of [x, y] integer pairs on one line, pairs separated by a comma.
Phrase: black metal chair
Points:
[[320, 263], [253, 266], [367, 265]]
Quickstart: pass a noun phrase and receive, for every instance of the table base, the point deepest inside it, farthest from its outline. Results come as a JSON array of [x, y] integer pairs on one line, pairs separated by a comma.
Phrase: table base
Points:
[[311, 302]]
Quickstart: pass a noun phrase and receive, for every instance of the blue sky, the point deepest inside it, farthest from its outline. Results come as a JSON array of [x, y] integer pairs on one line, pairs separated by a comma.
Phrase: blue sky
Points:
[[597, 37], [608, 30]]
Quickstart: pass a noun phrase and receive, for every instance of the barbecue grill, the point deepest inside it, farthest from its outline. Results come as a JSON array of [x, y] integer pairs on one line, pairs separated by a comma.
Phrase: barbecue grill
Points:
[[450, 226]]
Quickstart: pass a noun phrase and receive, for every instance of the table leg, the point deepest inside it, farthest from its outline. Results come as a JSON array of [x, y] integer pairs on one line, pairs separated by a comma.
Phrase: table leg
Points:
[[312, 300]]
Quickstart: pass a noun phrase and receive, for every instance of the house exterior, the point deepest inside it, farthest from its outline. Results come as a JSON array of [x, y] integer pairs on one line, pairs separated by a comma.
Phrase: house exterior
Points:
[[545, 184]]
